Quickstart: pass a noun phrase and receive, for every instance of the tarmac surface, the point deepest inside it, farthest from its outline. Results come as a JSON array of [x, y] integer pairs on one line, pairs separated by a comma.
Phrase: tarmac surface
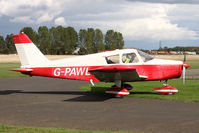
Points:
[[46, 102]]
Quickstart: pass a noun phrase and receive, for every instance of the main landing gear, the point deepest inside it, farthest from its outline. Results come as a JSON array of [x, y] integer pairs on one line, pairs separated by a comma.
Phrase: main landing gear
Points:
[[166, 89], [119, 92]]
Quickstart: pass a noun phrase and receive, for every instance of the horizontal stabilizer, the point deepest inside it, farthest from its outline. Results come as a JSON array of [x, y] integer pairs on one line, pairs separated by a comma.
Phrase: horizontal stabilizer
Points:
[[22, 70]]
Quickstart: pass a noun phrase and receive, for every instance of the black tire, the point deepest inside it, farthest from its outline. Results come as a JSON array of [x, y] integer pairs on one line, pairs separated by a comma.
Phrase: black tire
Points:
[[118, 96], [113, 86], [127, 86]]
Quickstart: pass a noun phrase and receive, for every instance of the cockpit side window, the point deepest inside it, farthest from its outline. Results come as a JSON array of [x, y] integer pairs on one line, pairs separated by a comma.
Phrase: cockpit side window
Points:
[[114, 59], [130, 58], [145, 57]]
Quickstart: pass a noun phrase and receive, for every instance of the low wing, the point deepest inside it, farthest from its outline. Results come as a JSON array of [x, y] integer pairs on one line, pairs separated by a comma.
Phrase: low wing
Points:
[[124, 73]]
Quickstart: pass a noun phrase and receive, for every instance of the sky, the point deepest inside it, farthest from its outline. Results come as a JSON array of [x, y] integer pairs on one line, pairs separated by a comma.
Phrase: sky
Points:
[[143, 23]]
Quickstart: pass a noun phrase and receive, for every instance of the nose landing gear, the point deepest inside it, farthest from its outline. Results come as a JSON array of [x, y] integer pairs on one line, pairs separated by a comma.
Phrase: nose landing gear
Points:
[[166, 89]]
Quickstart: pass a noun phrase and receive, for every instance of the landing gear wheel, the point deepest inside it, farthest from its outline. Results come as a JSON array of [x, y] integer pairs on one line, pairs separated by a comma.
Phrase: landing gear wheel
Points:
[[119, 96], [127, 86], [113, 86], [170, 94]]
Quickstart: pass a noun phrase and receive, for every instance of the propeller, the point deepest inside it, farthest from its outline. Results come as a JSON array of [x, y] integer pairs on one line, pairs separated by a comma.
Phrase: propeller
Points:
[[185, 65]]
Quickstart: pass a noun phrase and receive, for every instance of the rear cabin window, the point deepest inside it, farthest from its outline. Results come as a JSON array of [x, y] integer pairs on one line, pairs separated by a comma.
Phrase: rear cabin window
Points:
[[114, 59], [130, 58]]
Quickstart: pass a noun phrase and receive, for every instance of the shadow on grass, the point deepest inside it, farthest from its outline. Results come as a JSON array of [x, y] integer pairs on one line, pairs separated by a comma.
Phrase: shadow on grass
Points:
[[102, 90], [137, 92]]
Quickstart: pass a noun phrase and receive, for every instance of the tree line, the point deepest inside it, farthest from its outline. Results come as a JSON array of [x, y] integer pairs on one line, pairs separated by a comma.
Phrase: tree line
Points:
[[182, 49], [66, 40]]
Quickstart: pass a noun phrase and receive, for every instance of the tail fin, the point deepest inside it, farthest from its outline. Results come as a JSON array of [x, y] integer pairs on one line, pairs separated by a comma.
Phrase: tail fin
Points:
[[29, 54]]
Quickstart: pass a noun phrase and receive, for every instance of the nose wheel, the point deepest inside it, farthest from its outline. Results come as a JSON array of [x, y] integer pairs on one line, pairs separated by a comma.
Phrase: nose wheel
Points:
[[166, 89]]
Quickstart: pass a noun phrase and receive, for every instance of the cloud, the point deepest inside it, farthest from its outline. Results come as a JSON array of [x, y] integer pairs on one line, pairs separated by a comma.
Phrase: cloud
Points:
[[60, 21], [168, 1], [156, 29], [139, 21], [22, 19], [37, 11], [135, 19]]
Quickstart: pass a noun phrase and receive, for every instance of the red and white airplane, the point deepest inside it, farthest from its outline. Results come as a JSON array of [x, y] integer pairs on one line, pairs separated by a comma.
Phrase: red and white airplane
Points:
[[118, 66]]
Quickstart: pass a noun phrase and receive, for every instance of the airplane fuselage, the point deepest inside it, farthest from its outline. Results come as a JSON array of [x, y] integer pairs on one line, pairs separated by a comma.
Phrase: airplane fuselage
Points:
[[153, 72]]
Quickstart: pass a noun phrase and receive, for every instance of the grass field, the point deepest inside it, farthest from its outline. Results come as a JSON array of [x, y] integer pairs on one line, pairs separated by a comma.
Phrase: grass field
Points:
[[5, 73], [16, 129], [187, 93], [194, 64]]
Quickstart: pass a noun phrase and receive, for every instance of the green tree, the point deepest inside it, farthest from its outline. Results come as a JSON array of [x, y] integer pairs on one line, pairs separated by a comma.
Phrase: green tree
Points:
[[98, 41], [109, 41], [69, 39], [10, 45], [44, 39], [90, 40], [2, 44], [113, 40], [120, 40], [55, 40], [61, 40], [82, 41], [72, 40]]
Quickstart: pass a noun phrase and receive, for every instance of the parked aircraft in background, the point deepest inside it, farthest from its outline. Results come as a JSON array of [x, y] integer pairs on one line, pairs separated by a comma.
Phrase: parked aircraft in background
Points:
[[118, 66]]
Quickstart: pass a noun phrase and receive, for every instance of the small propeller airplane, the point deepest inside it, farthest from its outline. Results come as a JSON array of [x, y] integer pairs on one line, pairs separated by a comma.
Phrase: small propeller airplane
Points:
[[118, 66]]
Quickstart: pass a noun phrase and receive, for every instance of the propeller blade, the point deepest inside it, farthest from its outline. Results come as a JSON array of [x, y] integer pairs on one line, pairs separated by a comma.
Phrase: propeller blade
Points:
[[185, 65], [184, 74], [185, 58]]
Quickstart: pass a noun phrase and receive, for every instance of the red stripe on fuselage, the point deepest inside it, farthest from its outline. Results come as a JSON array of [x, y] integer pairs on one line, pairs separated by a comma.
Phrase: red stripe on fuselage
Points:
[[153, 72]]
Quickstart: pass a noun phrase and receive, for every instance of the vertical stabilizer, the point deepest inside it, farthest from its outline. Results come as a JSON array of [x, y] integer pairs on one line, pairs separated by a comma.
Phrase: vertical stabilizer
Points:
[[29, 54]]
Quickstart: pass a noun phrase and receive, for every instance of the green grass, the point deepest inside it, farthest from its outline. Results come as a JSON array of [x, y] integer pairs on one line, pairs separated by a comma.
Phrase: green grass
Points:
[[5, 73], [187, 93], [194, 64], [16, 129]]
